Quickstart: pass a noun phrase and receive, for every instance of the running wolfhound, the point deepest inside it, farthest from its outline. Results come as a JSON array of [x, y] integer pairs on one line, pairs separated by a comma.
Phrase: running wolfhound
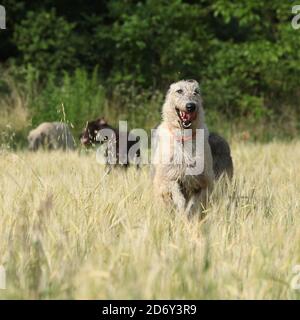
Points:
[[182, 113]]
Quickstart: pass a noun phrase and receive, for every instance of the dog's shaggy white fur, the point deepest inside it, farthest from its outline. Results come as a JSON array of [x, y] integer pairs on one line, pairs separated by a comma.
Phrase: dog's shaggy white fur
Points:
[[182, 110]]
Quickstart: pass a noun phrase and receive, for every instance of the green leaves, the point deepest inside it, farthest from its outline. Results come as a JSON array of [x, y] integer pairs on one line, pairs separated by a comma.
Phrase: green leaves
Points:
[[244, 53], [75, 99], [45, 41]]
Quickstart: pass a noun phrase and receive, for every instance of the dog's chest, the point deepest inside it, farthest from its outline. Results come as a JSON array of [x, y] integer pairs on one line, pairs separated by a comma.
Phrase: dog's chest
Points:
[[184, 162]]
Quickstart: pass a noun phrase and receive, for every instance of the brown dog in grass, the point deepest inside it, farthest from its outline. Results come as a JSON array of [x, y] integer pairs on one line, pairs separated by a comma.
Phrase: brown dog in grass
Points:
[[100, 132]]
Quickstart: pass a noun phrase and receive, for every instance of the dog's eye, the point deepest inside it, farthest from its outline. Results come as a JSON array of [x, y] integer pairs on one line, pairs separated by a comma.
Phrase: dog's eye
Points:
[[196, 92], [180, 91]]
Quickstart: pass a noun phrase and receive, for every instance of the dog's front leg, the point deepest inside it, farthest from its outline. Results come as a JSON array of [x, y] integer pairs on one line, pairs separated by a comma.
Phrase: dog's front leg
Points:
[[191, 205], [177, 196]]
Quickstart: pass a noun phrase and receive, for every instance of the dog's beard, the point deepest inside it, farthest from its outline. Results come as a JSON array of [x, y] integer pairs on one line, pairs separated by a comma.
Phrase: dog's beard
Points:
[[186, 118]]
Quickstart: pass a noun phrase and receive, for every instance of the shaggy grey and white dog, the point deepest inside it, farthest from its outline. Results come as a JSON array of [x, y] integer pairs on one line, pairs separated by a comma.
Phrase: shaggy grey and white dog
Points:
[[51, 136], [181, 111]]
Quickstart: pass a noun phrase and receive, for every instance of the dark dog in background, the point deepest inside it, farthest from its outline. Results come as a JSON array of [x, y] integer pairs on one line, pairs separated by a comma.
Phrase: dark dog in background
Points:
[[100, 132], [89, 135], [222, 161]]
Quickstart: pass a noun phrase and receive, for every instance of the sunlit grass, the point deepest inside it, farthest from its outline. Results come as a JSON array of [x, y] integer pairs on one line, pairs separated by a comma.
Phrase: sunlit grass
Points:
[[67, 230]]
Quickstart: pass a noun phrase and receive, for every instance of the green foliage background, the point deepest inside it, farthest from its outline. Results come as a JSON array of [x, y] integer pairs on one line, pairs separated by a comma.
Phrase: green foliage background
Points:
[[118, 57]]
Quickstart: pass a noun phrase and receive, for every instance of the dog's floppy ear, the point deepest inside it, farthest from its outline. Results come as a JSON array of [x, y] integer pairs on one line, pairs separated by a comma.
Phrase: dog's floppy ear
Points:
[[102, 121]]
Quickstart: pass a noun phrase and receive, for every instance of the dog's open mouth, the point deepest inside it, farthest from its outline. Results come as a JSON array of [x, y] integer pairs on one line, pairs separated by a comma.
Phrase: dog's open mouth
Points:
[[186, 118]]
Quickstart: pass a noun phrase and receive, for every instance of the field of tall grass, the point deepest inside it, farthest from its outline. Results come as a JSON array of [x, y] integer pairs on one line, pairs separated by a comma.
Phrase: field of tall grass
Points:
[[68, 230]]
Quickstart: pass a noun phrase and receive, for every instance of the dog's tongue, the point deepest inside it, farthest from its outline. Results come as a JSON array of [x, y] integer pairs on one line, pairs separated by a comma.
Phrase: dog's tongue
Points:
[[186, 116]]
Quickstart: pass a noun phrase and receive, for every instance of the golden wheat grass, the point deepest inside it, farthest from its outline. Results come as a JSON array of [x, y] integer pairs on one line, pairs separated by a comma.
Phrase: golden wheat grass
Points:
[[67, 230]]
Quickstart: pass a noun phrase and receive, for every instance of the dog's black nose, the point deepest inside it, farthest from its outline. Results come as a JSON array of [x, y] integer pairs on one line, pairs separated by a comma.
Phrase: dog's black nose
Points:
[[190, 107]]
